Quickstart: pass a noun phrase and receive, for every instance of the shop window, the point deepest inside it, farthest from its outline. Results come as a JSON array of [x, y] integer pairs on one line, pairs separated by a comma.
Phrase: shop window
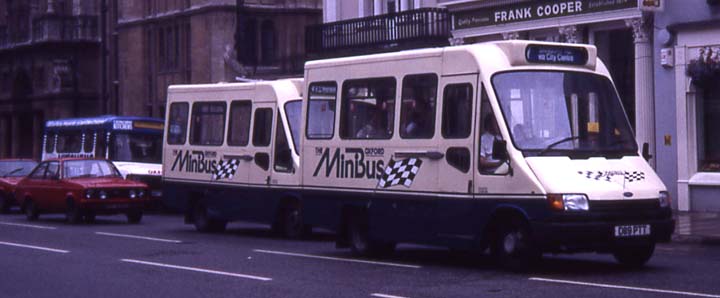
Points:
[[708, 120], [417, 110], [177, 128], [208, 123], [321, 110], [239, 128], [457, 111], [368, 109], [262, 128]]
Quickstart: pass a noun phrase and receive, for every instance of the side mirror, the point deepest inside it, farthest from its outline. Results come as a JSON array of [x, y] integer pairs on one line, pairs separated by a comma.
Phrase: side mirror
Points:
[[646, 151], [499, 151]]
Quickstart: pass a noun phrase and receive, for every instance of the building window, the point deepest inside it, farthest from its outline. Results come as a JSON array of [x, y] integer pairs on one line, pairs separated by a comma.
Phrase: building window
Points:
[[368, 109], [708, 120], [208, 123], [168, 48], [267, 43]]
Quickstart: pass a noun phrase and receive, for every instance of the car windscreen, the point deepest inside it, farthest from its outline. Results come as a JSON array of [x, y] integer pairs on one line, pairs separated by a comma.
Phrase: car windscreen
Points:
[[563, 113], [73, 169], [134, 147], [16, 168]]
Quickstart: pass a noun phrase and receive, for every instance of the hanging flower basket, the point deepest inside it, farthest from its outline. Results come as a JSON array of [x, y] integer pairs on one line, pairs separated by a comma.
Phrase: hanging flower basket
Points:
[[705, 69]]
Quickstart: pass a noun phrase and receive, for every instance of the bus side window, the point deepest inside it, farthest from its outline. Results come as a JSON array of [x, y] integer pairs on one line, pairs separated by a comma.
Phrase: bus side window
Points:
[[368, 109], [417, 109], [177, 126], [89, 142], [457, 111], [208, 123], [490, 133], [321, 110], [50, 143], [239, 128], [283, 155], [262, 133], [101, 144], [69, 142]]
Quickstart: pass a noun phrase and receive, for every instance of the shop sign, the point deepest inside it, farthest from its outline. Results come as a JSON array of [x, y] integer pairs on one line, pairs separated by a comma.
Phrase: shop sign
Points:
[[535, 10]]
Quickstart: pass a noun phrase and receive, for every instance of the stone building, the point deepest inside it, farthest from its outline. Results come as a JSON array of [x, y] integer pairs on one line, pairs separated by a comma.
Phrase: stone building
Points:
[[165, 42], [49, 61]]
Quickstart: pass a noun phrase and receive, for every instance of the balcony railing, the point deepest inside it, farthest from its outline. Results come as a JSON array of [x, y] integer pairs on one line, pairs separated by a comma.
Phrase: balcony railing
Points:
[[423, 27], [57, 28]]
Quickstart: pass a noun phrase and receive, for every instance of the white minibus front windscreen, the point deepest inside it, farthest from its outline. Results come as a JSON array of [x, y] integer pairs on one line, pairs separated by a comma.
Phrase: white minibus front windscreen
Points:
[[566, 113]]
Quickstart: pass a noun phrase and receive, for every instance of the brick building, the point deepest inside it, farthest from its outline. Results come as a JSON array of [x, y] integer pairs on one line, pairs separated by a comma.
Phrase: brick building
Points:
[[164, 42], [49, 58]]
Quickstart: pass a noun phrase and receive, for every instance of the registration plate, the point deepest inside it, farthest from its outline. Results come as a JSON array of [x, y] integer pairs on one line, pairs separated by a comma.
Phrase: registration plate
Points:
[[632, 230], [117, 206]]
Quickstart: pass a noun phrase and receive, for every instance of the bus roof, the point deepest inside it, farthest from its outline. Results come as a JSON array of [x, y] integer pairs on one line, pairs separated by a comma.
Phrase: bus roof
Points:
[[279, 91], [104, 121]]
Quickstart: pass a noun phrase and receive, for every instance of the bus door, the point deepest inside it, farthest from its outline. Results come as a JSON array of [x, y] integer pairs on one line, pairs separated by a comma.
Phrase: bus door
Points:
[[238, 139], [260, 149], [493, 171], [455, 139]]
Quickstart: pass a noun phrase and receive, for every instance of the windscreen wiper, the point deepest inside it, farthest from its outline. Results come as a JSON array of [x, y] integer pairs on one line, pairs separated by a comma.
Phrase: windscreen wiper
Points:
[[557, 143]]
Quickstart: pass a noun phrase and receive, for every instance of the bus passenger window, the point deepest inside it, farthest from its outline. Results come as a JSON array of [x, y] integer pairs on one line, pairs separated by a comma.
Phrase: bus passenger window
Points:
[[490, 134], [368, 109], [89, 142], [417, 110], [177, 127], [321, 110], [262, 127], [239, 128], [283, 155], [50, 143], [457, 111], [208, 123], [69, 143]]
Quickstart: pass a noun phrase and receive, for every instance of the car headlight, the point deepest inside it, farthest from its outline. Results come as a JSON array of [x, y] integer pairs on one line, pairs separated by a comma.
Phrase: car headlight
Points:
[[141, 193], [568, 202], [102, 194], [132, 194], [664, 199], [89, 193]]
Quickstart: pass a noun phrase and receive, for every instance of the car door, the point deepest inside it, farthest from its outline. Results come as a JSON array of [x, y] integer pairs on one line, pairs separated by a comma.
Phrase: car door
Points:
[[54, 187], [32, 186]]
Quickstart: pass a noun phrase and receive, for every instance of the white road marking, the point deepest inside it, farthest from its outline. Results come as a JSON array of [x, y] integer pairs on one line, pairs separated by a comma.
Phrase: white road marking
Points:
[[336, 259], [385, 295], [34, 247], [138, 237], [27, 226], [623, 287], [260, 278]]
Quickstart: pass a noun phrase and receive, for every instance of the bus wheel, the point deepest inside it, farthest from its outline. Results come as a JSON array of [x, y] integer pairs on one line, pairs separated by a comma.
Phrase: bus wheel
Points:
[[31, 211], [293, 225], [634, 256], [513, 247], [72, 212], [203, 223], [360, 242]]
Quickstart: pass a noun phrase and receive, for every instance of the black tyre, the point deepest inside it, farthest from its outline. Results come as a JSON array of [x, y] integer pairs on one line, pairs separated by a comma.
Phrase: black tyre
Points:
[[31, 211], [4, 204], [634, 256], [134, 217], [203, 223], [292, 223], [513, 246], [73, 214], [360, 242]]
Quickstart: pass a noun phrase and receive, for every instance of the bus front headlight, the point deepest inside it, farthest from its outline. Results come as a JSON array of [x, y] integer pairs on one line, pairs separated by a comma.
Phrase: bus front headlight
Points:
[[568, 202]]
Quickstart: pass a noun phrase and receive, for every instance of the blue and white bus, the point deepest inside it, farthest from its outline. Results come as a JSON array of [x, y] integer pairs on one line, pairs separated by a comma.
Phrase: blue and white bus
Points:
[[133, 144]]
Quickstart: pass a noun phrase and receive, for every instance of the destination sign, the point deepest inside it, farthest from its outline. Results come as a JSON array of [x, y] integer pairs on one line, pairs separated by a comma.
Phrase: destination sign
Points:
[[556, 55]]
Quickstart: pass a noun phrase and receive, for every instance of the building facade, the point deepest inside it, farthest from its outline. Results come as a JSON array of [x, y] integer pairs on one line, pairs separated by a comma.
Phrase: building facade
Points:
[[165, 42], [687, 87], [49, 61]]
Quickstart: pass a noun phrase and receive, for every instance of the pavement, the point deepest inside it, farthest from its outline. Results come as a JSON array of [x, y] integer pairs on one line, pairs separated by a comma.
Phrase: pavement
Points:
[[697, 227]]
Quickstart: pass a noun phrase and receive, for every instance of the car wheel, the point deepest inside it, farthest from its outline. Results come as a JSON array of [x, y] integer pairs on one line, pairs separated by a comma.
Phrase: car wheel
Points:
[[513, 247], [360, 242], [634, 256], [31, 211], [203, 223], [134, 217], [73, 214], [293, 225]]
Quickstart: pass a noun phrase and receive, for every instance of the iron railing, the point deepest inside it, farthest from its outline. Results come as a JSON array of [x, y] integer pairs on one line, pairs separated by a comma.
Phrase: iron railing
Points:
[[424, 27]]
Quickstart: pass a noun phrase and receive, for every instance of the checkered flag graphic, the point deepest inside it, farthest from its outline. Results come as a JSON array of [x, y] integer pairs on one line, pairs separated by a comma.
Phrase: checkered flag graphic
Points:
[[595, 175], [634, 176], [226, 169], [400, 172]]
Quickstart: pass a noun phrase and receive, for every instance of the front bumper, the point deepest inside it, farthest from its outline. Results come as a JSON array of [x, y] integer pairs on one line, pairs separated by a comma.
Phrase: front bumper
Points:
[[114, 206]]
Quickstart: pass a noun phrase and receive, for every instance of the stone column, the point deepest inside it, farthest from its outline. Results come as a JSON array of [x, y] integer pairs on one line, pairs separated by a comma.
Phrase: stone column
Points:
[[644, 97], [511, 35], [50, 6], [77, 7], [570, 33], [378, 7]]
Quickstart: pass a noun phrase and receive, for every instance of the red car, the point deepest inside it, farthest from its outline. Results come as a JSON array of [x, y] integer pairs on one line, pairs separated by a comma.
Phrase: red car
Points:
[[11, 172], [81, 188]]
